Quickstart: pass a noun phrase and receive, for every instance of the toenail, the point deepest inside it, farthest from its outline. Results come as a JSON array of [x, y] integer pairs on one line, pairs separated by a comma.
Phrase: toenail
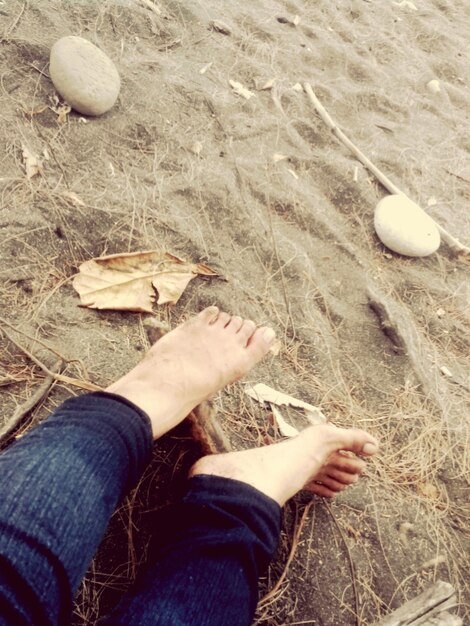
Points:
[[269, 335], [369, 448]]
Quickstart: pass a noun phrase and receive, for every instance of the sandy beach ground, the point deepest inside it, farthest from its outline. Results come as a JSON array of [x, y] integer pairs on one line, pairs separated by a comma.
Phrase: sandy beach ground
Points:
[[261, 191]]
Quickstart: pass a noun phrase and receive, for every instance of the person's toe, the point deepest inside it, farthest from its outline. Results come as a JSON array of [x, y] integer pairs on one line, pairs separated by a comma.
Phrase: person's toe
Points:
[[222, 319], [351, 464], [235, 323], [342, 477], [353, 440], [260, 341], [246, 330], [321, 490], [334, 485]]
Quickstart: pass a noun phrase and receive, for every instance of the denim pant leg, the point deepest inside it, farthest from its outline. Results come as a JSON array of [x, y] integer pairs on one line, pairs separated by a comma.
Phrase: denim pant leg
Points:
[[59, 485], [216, 543]]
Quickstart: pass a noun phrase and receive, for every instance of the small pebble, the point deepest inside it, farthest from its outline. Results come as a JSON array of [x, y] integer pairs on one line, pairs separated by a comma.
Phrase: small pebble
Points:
[[84, 76], [404, 227], [265, 85], [433, 86], [196, 148]]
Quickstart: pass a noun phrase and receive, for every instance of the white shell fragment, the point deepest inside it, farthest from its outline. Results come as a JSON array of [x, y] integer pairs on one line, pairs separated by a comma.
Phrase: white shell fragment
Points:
[[265, 85], [84, 76], [404, 227], [239, 89], [285, 429], [264, 394], [433, 86], [446, 371], [406, 4]]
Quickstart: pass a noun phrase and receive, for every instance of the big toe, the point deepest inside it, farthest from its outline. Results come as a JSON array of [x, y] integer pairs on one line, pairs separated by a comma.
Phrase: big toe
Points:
[[334, 439], [260, 342], [357, 441]]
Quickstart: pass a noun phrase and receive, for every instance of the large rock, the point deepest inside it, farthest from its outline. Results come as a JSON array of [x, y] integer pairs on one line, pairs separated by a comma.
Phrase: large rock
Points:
[[405, 228], [84, 76]]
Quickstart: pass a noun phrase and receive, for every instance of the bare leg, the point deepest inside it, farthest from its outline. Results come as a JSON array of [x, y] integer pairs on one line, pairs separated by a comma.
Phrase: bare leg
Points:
[[60, 483]]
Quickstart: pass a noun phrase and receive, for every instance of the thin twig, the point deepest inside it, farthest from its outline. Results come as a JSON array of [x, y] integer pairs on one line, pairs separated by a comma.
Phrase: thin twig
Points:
[[81, 384], [381, 177], [12, 26], [24, 409], [35, 339], [283, 281], [38, 70], [351, 564], [5, 381], [151, 6]]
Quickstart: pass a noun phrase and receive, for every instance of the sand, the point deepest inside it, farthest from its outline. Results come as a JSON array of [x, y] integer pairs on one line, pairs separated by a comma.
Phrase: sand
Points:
[[183, 163]]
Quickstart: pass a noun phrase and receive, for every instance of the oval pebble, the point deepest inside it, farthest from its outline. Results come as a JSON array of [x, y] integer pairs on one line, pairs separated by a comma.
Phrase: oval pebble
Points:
[[433, 86], [84, 76], [404, 227]]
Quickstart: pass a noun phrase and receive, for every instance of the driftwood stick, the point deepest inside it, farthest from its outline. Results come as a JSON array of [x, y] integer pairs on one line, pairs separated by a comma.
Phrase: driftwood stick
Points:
[[381, 177], [207, 431], [443, 619], [23, 410], [323, 113], [425, 608]]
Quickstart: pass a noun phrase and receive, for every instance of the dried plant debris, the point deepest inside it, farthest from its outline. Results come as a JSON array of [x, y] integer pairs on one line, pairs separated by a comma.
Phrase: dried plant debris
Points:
[[240, 90], [152, 6], [31, 161], [293, 21], [273, 398], [265, 85], [220, 27], [127, 282]]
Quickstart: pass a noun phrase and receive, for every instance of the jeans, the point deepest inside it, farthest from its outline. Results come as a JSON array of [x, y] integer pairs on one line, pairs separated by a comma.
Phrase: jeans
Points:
[[59, 485]]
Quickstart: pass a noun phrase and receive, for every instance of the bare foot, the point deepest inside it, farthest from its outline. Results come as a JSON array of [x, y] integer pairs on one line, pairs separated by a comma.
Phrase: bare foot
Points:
[[319, 459], [191, 363]]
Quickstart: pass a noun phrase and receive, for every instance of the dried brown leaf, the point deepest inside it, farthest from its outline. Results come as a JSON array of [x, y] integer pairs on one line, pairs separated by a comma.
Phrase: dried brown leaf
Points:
[[32, 163], [126, 282]]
